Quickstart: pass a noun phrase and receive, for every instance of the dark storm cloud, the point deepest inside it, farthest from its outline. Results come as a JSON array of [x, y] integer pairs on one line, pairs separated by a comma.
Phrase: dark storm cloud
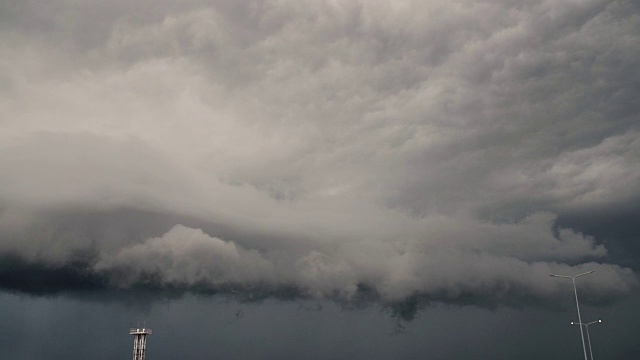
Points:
[[396, 151]]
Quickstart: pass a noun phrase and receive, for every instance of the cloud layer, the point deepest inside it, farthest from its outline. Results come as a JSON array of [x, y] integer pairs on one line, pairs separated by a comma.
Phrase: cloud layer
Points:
[[405, 148]]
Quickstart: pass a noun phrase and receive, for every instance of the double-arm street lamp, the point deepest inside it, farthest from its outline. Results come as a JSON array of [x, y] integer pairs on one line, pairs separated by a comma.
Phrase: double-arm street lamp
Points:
[[573, 278], [588, 337]]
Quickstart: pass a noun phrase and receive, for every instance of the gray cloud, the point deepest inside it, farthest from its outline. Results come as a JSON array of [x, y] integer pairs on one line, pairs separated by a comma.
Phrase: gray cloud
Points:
[[408, 149]]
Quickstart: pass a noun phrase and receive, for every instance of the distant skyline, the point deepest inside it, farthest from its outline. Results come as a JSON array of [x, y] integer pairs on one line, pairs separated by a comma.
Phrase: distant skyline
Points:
[[394, 163]]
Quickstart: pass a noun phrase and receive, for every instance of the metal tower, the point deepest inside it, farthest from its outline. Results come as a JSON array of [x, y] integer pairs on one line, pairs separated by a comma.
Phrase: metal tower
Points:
[[139, 341]]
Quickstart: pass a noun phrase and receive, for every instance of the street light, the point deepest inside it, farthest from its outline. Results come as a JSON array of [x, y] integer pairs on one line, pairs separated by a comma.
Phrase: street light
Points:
[[588, 337], [573, 278]]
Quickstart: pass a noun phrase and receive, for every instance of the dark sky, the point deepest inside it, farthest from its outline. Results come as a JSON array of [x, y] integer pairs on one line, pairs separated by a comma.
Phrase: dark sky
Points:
[[319, 179]]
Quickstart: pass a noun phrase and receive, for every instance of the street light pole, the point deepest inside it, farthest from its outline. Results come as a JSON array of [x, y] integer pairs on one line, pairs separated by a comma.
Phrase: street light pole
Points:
[[573, 278], [588, 337]]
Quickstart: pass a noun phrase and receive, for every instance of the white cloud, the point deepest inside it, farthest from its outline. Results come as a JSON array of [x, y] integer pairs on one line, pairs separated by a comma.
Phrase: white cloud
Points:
[[447, 263], [188, 257]]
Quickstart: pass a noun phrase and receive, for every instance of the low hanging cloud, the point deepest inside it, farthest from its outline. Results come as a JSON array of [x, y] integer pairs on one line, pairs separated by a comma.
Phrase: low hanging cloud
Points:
[[186, 258], [334, 149]]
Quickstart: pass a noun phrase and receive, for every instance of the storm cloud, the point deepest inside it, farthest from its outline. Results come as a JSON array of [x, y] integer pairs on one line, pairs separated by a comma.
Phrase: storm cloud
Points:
[[444, 150]]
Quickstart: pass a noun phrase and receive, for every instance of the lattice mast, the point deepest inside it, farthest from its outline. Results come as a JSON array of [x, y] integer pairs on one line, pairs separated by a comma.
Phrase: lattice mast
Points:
[[139, 341]]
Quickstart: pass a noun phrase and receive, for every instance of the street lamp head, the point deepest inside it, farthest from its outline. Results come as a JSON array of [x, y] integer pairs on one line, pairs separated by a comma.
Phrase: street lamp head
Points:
[[571, 277], [585, 273]]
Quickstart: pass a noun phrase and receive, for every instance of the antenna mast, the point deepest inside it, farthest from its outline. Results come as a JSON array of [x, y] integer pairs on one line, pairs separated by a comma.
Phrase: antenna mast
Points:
[[139, 341]]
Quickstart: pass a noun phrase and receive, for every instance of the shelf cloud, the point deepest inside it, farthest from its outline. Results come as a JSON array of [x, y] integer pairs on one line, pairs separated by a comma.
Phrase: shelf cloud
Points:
[[347, 150]]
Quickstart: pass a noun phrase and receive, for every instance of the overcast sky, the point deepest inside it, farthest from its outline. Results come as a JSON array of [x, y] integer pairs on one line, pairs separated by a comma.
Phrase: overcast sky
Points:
[[307, 164]]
